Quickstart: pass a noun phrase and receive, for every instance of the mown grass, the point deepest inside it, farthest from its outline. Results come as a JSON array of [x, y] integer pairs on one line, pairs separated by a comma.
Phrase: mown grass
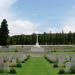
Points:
[[36, 66]]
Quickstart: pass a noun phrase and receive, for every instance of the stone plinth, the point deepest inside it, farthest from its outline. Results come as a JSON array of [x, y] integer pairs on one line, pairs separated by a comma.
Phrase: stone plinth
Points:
[[37, 49]]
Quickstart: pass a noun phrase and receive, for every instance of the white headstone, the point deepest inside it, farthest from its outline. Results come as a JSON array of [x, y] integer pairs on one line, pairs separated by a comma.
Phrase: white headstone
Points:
[[67, 66]]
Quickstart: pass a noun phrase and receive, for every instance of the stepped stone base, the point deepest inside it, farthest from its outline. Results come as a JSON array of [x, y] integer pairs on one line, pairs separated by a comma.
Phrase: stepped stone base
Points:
[[37, 51]]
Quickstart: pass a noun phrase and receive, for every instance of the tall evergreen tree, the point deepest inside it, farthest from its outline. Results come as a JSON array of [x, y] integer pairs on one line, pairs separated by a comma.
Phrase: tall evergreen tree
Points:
[[4, 32]]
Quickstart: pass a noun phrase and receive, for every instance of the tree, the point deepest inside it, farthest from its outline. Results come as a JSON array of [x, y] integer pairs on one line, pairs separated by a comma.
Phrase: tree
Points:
[[4, 32], [70, 37]]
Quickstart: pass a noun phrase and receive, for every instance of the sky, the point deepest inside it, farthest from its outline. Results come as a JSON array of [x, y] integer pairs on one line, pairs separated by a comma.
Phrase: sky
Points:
[[28, 16]]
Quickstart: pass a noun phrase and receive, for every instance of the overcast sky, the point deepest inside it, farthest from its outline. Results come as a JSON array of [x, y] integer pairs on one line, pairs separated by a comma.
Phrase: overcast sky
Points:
[[27, 16]]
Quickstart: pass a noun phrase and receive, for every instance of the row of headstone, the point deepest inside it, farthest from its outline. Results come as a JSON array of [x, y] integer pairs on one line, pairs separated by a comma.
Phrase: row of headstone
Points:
[[5, 60], [61, 58], [67, 60]]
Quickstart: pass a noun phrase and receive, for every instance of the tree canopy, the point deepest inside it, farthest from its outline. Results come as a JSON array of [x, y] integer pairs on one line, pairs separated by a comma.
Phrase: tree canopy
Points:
[[4, 33]]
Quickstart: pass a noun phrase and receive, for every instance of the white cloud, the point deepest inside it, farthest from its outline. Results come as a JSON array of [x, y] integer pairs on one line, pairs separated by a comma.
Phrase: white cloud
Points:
[[21, 27], [69, 25], [50, 29], [5, 9], [55, 28], [6, 3]]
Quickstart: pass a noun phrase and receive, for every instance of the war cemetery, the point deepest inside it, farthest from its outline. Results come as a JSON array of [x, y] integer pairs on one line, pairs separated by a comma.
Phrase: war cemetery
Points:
[[36, 54]]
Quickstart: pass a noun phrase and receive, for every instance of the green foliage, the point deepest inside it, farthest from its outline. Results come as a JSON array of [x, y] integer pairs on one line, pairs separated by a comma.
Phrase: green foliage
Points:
[[1, 71], [26, 59], [4, 33], [18, 65], [12, 71], [12, 65], [44, 39], [55, 65], [61, 71]]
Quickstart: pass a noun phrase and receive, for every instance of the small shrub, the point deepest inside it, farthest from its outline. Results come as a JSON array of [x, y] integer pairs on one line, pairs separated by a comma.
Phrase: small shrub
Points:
[[51, 61], [1, 71], [55, 65], [19, 65], [25, 59], [61, 71], [12, 65], [12, 71]]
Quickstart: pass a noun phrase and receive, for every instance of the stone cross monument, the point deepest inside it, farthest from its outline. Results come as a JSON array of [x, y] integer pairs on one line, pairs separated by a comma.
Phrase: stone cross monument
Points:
[[37, 48], [37, 43]]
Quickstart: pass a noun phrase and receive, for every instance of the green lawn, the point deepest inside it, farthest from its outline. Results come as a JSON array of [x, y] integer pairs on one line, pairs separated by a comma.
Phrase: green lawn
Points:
[[36, 66]]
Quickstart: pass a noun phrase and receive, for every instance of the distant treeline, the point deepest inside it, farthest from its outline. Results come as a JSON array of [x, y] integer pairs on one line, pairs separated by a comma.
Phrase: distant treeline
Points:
[[44, 39]]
